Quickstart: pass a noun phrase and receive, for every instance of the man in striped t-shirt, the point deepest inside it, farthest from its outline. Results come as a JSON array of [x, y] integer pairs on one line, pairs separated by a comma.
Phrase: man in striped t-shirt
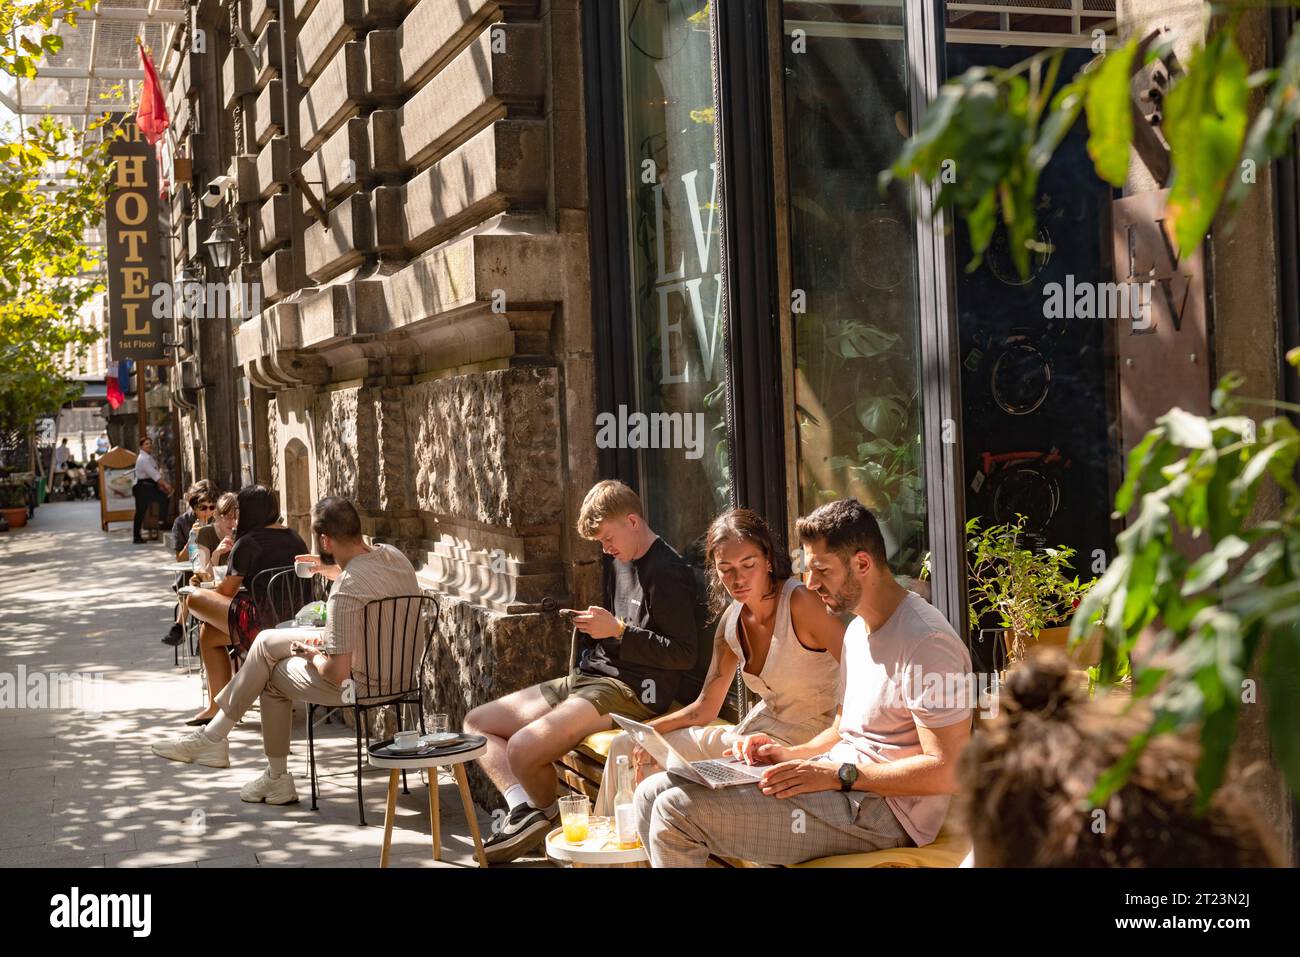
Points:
[[288, 664]]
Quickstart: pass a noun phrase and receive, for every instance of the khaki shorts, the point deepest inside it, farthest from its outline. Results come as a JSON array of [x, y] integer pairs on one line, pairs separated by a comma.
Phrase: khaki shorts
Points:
[[609, 695]]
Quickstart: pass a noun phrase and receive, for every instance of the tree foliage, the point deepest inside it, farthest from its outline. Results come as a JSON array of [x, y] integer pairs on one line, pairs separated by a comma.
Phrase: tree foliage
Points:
[[1000, 128], [53, 183], [1229, 607]]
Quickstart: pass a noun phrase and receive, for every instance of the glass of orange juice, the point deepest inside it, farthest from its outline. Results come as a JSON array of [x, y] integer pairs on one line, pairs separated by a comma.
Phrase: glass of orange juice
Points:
[[574, 811]]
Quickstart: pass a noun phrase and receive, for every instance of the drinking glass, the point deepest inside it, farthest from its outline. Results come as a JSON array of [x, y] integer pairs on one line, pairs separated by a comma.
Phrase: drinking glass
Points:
[[439, 723], [574, 811]]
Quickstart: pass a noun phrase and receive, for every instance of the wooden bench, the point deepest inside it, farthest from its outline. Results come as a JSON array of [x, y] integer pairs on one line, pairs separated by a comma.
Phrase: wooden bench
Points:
[[581, 769]]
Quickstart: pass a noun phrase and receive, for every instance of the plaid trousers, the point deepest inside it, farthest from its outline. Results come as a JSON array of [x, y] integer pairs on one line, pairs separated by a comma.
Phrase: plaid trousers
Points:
[[682, 823]]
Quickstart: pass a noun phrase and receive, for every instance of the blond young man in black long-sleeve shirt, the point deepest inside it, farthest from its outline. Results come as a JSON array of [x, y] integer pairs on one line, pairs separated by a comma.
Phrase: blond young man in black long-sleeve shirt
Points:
[[631, 658]]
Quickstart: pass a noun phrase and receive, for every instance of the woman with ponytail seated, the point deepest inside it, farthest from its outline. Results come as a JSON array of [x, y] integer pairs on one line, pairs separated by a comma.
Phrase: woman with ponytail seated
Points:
[[1027, 774]]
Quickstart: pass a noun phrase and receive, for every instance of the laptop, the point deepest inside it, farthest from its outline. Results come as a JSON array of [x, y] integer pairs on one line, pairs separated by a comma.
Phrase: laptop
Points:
[[712, 774]]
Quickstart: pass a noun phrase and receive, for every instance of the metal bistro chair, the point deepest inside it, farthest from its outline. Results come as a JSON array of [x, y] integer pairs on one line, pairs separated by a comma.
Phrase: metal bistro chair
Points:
[[398, 634], [270, 605]]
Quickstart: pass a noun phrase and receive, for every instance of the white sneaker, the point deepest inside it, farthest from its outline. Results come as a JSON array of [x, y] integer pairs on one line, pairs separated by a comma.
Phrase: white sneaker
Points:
[[194, 748], [271, 790]]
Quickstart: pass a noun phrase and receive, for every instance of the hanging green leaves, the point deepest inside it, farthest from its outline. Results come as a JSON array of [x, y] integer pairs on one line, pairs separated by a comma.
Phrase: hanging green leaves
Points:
[[1205, 123]]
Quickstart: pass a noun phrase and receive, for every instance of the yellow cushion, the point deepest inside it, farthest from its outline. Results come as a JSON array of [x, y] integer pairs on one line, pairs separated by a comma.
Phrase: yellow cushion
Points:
[[597, 745], [948, 849]]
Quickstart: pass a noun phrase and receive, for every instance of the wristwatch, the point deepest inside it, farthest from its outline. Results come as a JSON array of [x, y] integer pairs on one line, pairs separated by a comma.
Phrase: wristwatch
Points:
[[848, 775]]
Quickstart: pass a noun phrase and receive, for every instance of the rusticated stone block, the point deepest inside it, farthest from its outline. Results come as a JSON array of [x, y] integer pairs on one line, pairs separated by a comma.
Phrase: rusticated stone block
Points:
[[394, 487], [434, 31], [258, 13], [494, 171], [336, 95], [273, 166], [343, 466], [342, 161], [475, 88], [274, 223], [328, 28], [268, 115], [277, 275], [350, 237], [478, 655], [381, 66], [269, 54], [243, 169], [237, 76], [485, 446], [303, 9]]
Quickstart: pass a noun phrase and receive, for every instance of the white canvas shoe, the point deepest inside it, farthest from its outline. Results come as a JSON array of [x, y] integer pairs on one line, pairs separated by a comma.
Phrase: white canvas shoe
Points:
[[194, 748], [271, 790]]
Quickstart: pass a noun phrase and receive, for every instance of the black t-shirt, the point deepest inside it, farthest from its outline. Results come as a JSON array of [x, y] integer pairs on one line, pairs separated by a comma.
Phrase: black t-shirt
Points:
[[264, 548]]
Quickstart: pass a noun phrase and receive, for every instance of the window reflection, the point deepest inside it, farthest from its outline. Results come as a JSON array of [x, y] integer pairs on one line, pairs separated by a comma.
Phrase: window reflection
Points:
[[677, 303], [857, 346]]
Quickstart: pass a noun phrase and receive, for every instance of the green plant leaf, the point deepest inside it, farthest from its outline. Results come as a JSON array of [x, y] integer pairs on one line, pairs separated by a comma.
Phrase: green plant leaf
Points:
[[1213, 565], [1110, 114], [1205, 123]]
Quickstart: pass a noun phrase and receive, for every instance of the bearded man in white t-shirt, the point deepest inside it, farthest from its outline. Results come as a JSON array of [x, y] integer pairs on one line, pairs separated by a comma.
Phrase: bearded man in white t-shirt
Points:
[[882, 774]]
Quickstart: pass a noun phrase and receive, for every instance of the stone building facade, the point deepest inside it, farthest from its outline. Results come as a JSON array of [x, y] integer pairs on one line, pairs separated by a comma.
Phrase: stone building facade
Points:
[[409, 193], [478, 225]]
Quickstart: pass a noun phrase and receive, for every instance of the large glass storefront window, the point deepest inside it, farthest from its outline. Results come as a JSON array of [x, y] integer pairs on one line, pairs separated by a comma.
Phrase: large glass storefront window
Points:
[[857, 340], [678, 427]]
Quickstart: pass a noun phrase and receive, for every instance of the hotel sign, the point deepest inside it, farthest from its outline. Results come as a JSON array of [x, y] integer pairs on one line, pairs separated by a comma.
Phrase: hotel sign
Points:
[[133, 246]]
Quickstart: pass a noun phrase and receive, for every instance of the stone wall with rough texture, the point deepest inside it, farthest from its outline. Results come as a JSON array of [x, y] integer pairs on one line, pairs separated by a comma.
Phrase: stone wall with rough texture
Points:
[[485, 447], [338, 455], [273, 442]]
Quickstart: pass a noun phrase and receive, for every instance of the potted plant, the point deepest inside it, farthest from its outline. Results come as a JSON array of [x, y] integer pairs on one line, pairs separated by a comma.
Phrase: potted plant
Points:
[[1027, 591], [13, 504]]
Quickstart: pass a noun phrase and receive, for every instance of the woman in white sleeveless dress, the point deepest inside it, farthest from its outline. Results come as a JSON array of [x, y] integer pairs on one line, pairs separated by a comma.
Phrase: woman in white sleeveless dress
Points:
[[775, 629]]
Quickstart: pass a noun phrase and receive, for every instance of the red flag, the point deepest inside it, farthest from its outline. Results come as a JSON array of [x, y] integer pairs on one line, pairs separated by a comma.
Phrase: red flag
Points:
[[115, 396], [151, 118]]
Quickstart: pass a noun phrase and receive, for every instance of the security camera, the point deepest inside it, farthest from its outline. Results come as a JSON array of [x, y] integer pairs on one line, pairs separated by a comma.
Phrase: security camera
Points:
[[217, 189]]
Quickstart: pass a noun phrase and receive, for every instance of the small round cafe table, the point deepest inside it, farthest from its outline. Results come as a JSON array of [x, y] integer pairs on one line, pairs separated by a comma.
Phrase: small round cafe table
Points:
[[472, 746], [594, 852]]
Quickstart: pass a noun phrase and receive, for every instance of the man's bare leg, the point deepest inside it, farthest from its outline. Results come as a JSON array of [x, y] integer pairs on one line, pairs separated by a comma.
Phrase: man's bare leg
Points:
[[533, 748], [498, 721]]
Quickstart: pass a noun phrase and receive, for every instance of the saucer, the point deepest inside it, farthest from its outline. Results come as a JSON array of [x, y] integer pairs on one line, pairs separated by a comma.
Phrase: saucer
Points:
[[442, 739]]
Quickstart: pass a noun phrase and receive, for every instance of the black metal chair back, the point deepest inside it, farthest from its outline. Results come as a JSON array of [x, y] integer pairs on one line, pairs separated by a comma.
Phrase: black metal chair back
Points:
[[397, 637], [398, 633], [284, 595]]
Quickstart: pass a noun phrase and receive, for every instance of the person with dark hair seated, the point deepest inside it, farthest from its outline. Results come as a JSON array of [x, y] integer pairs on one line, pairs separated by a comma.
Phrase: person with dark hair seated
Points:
[[1027, 774], [291, 664], [229, 612], [881, 774], [200, 503]]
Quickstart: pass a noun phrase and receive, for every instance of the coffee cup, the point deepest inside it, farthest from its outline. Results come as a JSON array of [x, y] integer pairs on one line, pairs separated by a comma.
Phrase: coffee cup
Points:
[[304, 566], [406, 740]]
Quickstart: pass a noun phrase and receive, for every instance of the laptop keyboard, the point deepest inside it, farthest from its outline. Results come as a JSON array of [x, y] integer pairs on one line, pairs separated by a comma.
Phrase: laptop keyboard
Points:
[[721, 773]]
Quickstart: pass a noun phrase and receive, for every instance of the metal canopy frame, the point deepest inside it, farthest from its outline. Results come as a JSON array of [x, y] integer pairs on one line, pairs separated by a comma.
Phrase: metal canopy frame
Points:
[[97, 70]]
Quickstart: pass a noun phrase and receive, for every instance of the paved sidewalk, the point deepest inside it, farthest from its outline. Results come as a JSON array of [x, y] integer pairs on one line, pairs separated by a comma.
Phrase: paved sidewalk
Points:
[[79, 785]]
